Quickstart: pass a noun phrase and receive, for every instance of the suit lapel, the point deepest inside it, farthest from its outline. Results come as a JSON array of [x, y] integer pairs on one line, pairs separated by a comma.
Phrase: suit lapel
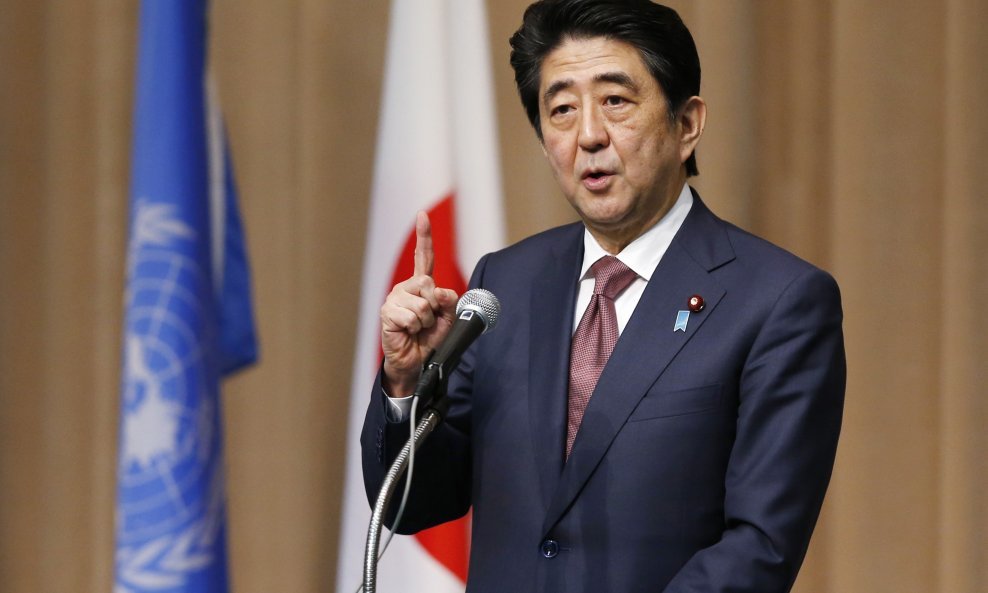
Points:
[[553, 300], [646, 347]]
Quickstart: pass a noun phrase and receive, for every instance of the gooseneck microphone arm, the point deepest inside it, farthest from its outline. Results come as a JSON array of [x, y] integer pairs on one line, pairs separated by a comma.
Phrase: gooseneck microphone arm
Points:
[[476, 313], [430, 420]]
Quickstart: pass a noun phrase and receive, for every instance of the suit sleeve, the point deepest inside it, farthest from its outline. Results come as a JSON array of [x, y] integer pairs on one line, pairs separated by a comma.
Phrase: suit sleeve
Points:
[[790, 405], [441, 484]]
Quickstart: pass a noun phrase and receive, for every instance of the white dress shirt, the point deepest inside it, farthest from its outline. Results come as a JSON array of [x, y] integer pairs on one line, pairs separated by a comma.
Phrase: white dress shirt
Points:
[[641, 255]]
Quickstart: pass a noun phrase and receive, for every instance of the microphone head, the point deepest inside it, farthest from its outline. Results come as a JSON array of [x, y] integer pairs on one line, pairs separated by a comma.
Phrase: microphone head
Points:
[[483, 303]]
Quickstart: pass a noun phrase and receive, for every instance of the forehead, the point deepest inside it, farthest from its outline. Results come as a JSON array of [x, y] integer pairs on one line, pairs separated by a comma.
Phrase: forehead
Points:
[[582, 60]]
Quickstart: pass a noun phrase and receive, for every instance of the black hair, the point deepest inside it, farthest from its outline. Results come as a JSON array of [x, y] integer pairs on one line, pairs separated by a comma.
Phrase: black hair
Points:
[[662, 40]]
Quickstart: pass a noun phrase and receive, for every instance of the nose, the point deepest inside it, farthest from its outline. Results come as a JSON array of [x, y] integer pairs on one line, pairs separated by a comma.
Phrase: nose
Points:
[[593, 133]]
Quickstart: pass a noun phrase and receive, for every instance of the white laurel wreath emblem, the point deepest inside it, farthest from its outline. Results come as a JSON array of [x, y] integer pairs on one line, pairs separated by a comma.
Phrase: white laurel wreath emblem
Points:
[[165, 562], [152, 435]]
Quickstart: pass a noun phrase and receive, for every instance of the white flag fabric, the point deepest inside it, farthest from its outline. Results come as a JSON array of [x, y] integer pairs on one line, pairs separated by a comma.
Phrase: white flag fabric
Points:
[[436, 151]]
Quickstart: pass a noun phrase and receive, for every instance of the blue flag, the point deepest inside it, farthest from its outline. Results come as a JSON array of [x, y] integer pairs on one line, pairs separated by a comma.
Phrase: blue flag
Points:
[[188, 319]]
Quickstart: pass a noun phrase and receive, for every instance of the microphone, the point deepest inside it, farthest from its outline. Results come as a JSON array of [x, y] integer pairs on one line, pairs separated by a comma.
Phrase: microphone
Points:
[[476, 314]]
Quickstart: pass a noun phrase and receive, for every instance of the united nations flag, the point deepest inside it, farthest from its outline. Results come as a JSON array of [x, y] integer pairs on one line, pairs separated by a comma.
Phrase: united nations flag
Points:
[[189, 318]]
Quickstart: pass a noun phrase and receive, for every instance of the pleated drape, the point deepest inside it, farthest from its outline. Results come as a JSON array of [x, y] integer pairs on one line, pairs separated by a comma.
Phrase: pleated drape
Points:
[[851, 132]]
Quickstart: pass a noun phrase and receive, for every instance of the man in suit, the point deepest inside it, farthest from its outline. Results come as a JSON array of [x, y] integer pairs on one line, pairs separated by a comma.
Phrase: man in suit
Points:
[[659, 406]]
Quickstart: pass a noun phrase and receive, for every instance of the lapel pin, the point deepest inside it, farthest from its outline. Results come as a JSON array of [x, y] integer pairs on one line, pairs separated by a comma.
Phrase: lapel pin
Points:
[[682, 318], [696, 303]]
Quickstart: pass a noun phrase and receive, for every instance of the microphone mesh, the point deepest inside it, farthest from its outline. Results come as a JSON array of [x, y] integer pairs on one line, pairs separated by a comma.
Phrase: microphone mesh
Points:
[[484, 303]]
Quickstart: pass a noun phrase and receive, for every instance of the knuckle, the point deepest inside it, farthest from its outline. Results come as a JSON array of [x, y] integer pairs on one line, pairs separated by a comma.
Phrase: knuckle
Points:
[[421, 307], [425, 282]]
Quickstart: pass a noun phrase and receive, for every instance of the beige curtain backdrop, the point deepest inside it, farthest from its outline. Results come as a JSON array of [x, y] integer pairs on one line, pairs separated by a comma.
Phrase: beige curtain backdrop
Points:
[[851, 132]]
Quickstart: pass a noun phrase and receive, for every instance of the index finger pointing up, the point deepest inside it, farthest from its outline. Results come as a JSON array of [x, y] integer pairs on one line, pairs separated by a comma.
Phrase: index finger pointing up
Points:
[[425, 258]]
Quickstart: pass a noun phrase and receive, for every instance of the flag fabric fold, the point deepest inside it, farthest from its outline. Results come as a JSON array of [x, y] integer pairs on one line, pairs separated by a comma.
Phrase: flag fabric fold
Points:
[[188, 318], [436, 151]]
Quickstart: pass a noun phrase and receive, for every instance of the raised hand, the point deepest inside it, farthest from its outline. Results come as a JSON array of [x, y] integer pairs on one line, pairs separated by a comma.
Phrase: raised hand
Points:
[[415, 318]]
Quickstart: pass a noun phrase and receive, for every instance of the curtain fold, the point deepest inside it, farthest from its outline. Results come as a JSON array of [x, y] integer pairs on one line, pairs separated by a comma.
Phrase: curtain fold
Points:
[[851, 132]]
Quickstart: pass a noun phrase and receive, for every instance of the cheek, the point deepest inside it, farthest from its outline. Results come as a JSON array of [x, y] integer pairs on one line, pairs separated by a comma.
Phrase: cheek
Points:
[[646, 152], [560, 155], [635, 150]]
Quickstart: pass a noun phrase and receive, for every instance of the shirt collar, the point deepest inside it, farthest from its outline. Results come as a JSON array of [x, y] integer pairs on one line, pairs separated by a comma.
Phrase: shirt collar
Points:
[[643, 254]]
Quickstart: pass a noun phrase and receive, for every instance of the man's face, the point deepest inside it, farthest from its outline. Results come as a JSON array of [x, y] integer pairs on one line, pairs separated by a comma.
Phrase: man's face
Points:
[[606, 132]]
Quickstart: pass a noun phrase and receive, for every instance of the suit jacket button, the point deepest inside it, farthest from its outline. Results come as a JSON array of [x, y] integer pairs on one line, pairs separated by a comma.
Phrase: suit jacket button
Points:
[[550, 548]]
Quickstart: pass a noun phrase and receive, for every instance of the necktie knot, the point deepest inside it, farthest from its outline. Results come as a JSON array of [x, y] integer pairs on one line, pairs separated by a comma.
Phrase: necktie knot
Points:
[[611, 276]]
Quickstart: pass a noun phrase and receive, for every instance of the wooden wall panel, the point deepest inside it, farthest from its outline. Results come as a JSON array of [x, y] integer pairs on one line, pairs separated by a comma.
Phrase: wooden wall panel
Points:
[[850, 132], [962, 539], [887, 179], [21, 286]]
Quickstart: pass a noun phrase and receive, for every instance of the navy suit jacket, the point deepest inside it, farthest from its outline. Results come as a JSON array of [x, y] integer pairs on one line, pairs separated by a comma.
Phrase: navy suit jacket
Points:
[[703, 456]]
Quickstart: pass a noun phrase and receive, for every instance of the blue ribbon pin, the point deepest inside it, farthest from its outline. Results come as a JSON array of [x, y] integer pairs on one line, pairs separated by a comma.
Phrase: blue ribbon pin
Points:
[[681, 319]]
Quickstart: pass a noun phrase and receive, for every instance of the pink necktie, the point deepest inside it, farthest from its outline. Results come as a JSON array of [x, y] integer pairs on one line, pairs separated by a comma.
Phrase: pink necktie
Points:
[[594, 339]]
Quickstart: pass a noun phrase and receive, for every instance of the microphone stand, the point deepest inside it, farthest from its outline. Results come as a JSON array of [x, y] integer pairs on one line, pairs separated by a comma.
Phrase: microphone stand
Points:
[[431, 418]]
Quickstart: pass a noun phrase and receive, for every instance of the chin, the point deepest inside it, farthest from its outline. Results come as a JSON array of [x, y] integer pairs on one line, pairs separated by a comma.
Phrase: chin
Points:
[[604, 217]]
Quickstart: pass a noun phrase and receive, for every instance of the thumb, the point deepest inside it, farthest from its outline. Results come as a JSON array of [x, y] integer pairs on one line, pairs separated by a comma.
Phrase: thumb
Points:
[[447, 302]]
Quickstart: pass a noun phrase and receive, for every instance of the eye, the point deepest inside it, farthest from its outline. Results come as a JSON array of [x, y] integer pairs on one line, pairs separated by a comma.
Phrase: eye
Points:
[[614, 100], [561, 110]]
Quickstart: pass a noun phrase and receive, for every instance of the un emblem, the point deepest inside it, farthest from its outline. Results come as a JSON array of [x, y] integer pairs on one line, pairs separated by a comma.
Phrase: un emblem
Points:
[[170, 513]]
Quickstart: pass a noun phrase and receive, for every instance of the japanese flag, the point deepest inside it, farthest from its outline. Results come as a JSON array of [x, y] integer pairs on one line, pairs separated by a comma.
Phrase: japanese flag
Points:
[[436, 151]]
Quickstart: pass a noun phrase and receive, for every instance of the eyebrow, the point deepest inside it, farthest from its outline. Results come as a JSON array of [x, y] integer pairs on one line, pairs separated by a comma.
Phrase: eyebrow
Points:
[[619, 78]]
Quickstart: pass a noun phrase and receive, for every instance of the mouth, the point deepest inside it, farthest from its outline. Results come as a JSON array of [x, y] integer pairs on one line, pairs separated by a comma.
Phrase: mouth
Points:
[[596, 179]]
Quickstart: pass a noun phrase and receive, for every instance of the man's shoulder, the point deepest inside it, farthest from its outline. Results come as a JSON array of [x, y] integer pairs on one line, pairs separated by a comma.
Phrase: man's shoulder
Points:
[[739, 256], [749, 246], [548, 243], [766, 272], [522, 263]]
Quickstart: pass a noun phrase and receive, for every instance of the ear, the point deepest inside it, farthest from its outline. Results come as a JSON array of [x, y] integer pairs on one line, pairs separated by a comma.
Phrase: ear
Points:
[[692, 118]]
